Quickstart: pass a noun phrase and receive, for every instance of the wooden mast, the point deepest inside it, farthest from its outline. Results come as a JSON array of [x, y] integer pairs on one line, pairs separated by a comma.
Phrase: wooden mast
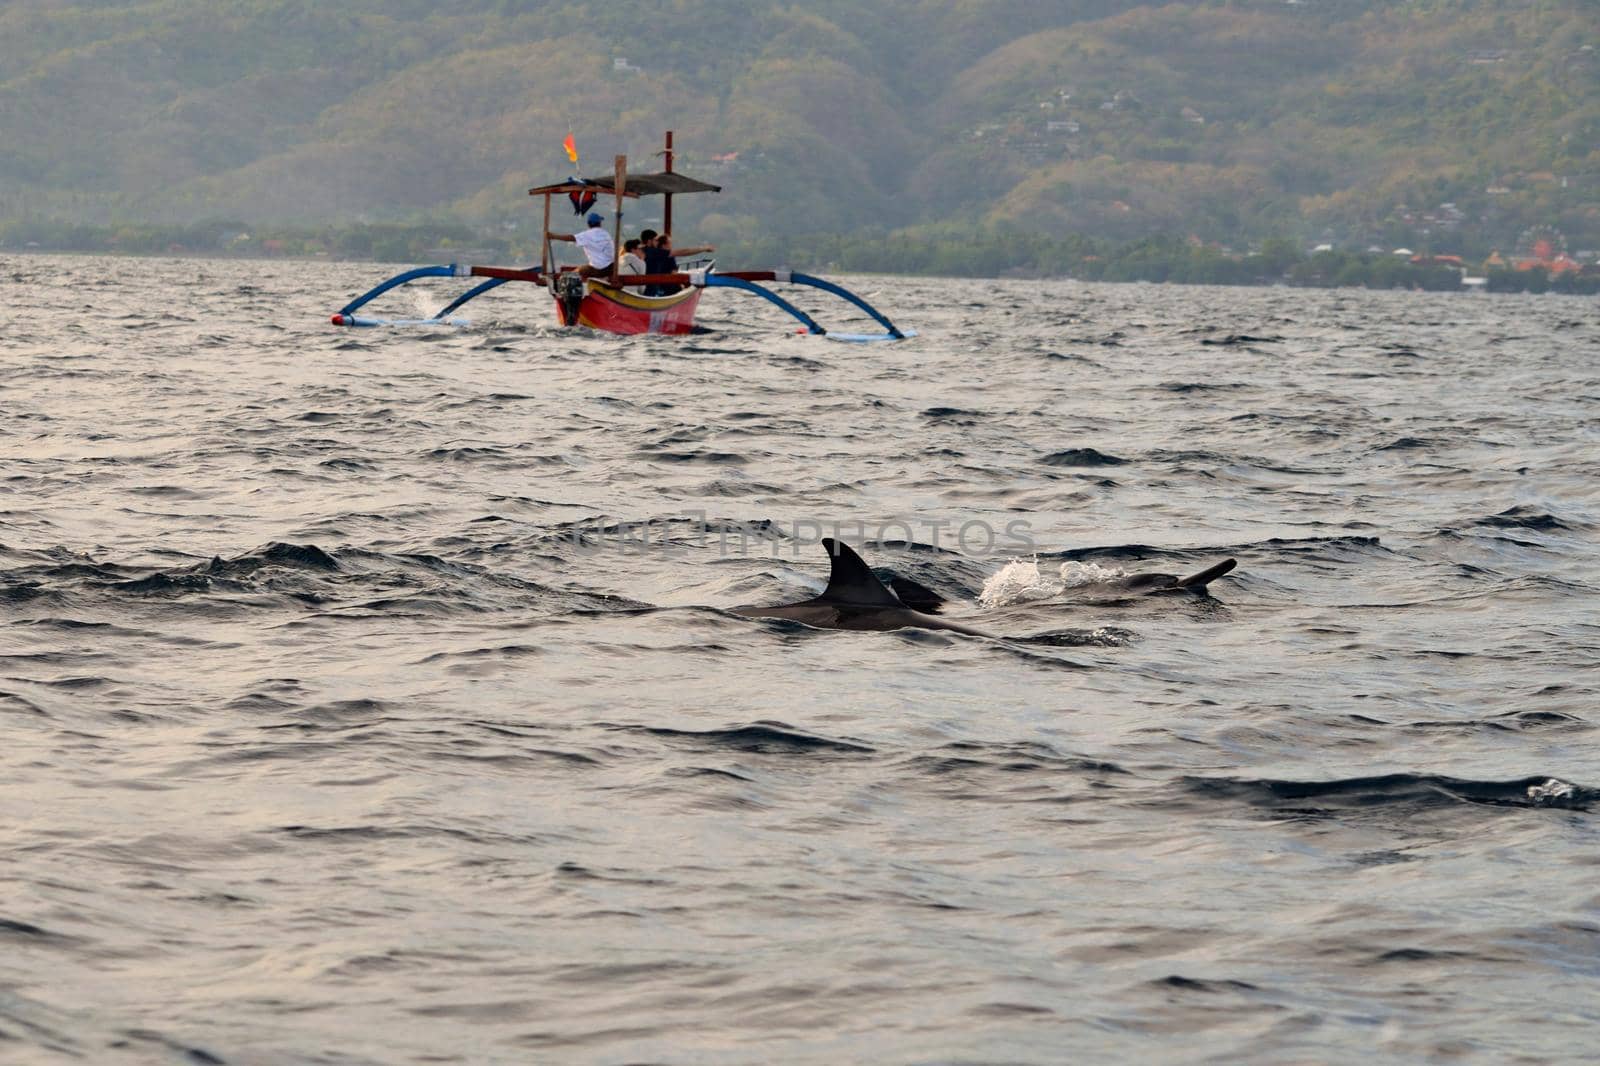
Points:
[[666, 216], [620, 179], [544, 245]]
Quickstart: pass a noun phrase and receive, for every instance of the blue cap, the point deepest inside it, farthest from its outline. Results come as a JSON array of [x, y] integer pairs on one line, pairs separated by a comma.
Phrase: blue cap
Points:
[[595, 218]]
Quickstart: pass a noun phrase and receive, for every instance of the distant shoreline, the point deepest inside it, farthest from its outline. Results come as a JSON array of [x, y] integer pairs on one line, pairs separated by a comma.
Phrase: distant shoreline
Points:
[[1322, 270]]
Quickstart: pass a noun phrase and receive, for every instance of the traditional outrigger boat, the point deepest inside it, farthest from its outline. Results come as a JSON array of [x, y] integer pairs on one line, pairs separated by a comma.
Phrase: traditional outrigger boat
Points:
[[617, 303]]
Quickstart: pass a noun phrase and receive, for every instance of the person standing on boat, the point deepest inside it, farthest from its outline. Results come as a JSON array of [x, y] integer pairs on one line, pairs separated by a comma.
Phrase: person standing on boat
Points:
[[659, 258], [596, 244]]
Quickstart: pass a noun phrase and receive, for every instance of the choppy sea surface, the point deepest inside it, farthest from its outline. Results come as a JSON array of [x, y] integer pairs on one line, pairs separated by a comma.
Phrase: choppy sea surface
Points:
[[373, 696]]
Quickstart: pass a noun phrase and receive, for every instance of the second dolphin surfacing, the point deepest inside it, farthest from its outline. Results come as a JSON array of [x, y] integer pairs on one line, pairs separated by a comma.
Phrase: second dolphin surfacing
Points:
[[855, 599]]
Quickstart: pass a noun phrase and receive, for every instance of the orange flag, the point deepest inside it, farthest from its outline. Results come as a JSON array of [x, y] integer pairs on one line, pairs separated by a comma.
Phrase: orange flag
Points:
[[572, 148]]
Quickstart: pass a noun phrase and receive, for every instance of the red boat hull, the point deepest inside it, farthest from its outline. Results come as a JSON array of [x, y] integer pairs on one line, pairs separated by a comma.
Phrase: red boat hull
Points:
[[617, 310]]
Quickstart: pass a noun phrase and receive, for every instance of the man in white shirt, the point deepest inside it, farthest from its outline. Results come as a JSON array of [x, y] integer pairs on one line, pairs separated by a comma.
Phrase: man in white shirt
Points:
[[596, 244]]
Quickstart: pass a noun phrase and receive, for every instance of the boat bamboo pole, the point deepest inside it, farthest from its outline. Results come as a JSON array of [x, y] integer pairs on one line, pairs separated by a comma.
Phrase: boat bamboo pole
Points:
[[666, 215], [544, 245], [620, 180]]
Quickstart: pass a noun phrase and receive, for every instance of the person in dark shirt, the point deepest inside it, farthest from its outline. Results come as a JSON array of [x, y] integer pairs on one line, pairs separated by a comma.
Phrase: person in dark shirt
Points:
[[660, 258], [655, 261]]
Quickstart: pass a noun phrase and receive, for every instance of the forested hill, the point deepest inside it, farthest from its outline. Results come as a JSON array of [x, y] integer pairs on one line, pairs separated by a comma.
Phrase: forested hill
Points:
[[1463, 121]]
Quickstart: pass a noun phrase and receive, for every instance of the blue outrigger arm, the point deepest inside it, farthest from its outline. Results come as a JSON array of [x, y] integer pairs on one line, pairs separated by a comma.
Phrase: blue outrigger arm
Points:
[[725, 281], [736, 281], [894, 334], [476, 290], [347, 314]]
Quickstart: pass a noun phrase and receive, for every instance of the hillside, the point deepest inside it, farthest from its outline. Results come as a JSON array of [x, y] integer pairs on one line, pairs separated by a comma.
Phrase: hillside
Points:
[[1460, 122]]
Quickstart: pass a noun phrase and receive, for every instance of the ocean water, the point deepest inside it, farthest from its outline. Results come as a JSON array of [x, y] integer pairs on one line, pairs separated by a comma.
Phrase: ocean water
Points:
[[373, 696]]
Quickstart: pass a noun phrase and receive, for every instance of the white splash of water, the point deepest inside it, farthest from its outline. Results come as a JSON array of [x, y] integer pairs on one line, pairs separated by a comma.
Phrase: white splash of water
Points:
[[1017, 582], [1551, 790], [425, 304], [1076, 575]]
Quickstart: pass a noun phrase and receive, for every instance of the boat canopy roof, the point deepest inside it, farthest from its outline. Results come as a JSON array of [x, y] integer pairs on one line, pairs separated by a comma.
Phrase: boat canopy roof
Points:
[[636, 185]]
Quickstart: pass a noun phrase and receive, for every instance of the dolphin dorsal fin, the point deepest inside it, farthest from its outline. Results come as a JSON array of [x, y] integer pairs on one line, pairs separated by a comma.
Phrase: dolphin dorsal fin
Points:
[[1206, 576], [852, 581]]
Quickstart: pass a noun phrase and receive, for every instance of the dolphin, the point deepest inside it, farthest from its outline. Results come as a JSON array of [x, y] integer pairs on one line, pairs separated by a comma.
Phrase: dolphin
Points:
[[1156, 583], [856, 599]]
